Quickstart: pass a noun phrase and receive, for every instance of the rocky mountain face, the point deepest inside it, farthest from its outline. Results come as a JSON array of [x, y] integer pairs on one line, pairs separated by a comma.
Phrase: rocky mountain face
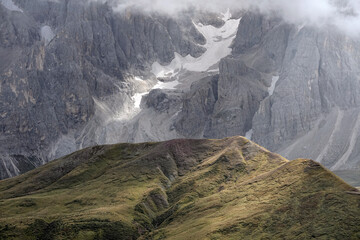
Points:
[[292, 88], [57, 57], [76, 74], [202, 189]]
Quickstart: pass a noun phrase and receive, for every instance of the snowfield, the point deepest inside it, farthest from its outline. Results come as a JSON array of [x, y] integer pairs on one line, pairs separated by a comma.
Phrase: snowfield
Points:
[[218, 42], [274, 81]]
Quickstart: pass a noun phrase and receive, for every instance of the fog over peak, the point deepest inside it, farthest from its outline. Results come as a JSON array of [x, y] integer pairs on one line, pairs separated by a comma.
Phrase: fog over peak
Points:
[[343, 14]]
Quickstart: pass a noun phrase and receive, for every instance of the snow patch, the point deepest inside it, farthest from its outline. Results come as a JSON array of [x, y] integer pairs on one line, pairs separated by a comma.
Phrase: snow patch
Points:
[[214, 70], [47, 34], [218, 42], [137, 97], [166, 85], [274, 80], [10, 5], [249, 134]]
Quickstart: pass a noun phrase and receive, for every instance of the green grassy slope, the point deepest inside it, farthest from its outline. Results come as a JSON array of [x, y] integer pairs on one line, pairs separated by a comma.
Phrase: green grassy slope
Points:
[[180, 189]]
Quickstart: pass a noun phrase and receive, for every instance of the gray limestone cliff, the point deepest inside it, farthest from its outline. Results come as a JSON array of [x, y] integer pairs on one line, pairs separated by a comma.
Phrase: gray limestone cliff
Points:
[[56, 57], [310, 110]]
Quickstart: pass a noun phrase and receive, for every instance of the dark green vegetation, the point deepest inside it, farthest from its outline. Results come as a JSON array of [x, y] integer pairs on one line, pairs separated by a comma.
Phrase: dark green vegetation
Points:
[[181, 189]]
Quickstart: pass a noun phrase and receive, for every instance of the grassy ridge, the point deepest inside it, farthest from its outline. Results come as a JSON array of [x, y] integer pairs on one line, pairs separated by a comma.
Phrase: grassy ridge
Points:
[[181, 189]]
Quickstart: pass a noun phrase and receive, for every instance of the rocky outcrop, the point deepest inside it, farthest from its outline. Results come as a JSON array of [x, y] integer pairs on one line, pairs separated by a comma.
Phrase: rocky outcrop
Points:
[[197, 107], [222, 105], [240, 91]]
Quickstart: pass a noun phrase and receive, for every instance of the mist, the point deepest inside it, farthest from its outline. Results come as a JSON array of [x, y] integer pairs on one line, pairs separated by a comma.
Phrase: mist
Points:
[[343, 14]]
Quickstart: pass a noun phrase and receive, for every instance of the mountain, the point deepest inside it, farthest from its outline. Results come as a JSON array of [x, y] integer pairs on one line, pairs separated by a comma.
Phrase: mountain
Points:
[[76, 74], [179, 189], [60, 58]]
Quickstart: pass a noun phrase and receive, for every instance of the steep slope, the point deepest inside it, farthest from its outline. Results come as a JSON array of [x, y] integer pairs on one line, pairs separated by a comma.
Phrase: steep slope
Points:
[[59, 60], [294, 87], [197, 189], [314, 105]]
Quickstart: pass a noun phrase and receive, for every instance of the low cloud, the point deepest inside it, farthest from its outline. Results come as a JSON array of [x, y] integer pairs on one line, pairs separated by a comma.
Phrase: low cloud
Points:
[[343, 14]]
